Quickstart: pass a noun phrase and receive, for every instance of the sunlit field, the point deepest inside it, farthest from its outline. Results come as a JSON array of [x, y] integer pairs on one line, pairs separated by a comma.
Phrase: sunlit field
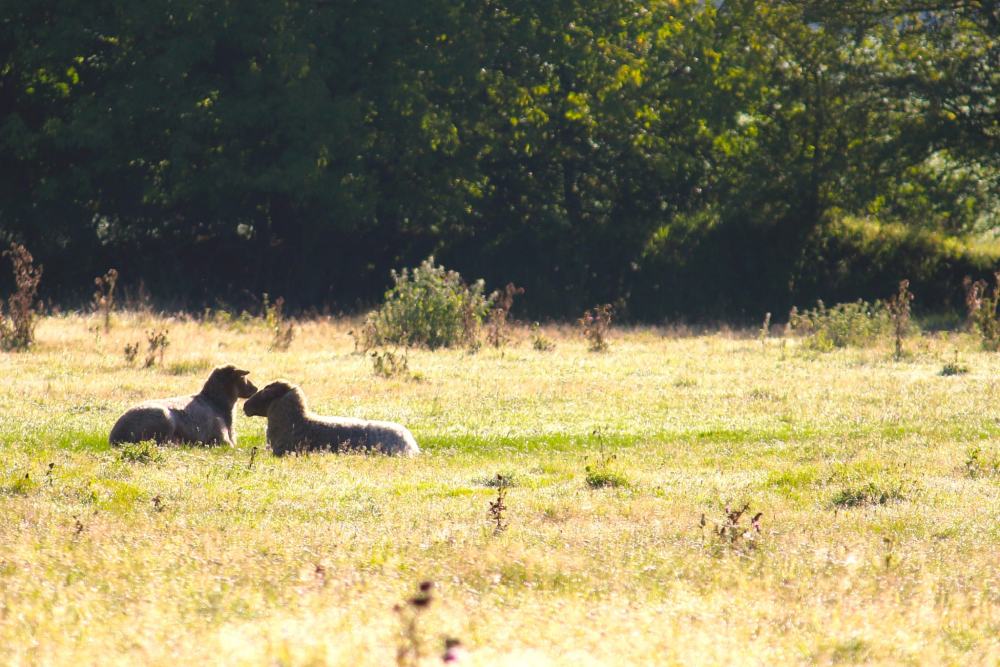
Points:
[[878, 482]]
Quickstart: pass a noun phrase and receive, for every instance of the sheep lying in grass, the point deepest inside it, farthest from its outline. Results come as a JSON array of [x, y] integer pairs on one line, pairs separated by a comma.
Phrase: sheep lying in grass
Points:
[[206, 417], [292, 427]]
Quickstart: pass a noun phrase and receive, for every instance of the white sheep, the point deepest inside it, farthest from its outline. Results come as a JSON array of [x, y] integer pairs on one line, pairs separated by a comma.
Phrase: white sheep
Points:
[[206, 417], [292, 427]]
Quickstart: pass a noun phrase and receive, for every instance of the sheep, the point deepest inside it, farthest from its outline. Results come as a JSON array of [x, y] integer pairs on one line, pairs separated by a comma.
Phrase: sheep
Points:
[[205, 418], [292, 427]]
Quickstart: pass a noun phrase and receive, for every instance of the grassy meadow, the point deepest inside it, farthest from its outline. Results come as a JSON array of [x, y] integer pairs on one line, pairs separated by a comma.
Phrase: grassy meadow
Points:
[[878, 480]]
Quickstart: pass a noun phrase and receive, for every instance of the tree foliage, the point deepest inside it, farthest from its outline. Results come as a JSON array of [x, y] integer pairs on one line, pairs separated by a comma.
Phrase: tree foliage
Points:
[[663, 153]]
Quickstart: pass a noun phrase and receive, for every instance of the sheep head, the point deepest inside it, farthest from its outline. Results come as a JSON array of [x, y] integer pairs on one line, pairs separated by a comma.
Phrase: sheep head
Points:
[[258, 404], [228, 383]]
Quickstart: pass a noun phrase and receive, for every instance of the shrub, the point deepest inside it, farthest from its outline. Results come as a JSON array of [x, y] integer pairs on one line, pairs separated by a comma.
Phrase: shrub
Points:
[[156, 344], [410, 649], [366, 338], [731, 534], [540, 341], [765, 330], [499, 506], [223, 317], [595, 326], [848, 256], [954, 367], [104, 296], [602, 478], [899, 311], [497, 333], [604, 471], [389, 364], [15, 484], [282, 331], [17, 324], [430, 306], [974, 291], [982, 309], [854, 324], [131, 352], [872, 493], [981, 464]]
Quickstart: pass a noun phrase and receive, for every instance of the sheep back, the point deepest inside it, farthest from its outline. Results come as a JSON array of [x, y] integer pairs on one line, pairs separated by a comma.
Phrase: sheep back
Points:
[[178, 419], [291, 427]]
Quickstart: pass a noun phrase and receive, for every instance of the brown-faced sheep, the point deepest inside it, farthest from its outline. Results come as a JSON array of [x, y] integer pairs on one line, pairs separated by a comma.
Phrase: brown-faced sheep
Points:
[[206, 417], [292, 427]]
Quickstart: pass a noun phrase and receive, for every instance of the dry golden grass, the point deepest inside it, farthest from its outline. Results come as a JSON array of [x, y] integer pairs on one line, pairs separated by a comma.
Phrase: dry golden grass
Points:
[[877, 544]]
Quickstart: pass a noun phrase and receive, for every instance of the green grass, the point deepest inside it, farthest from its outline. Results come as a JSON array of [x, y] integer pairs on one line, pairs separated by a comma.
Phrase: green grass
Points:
[[190, 367], [600, 478], [871, 493], [876, 482]]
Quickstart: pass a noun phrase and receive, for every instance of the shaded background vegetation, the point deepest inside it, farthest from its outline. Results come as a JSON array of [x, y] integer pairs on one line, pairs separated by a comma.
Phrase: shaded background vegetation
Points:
[[681, 159]]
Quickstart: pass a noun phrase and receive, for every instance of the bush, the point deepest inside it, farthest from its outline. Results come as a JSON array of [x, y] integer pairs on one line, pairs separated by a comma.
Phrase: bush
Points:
[[870, 494], [698, 267], [104, 296], [17, 324], [596, 325], [982, 311], [899, 313], [604, 471], [157, 344], [598, 478], [282, 330], [953, 368], [430, 306], [860, 255], [854, 324], [980, 464], [540, 341], [498, 328], [389, 364]]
